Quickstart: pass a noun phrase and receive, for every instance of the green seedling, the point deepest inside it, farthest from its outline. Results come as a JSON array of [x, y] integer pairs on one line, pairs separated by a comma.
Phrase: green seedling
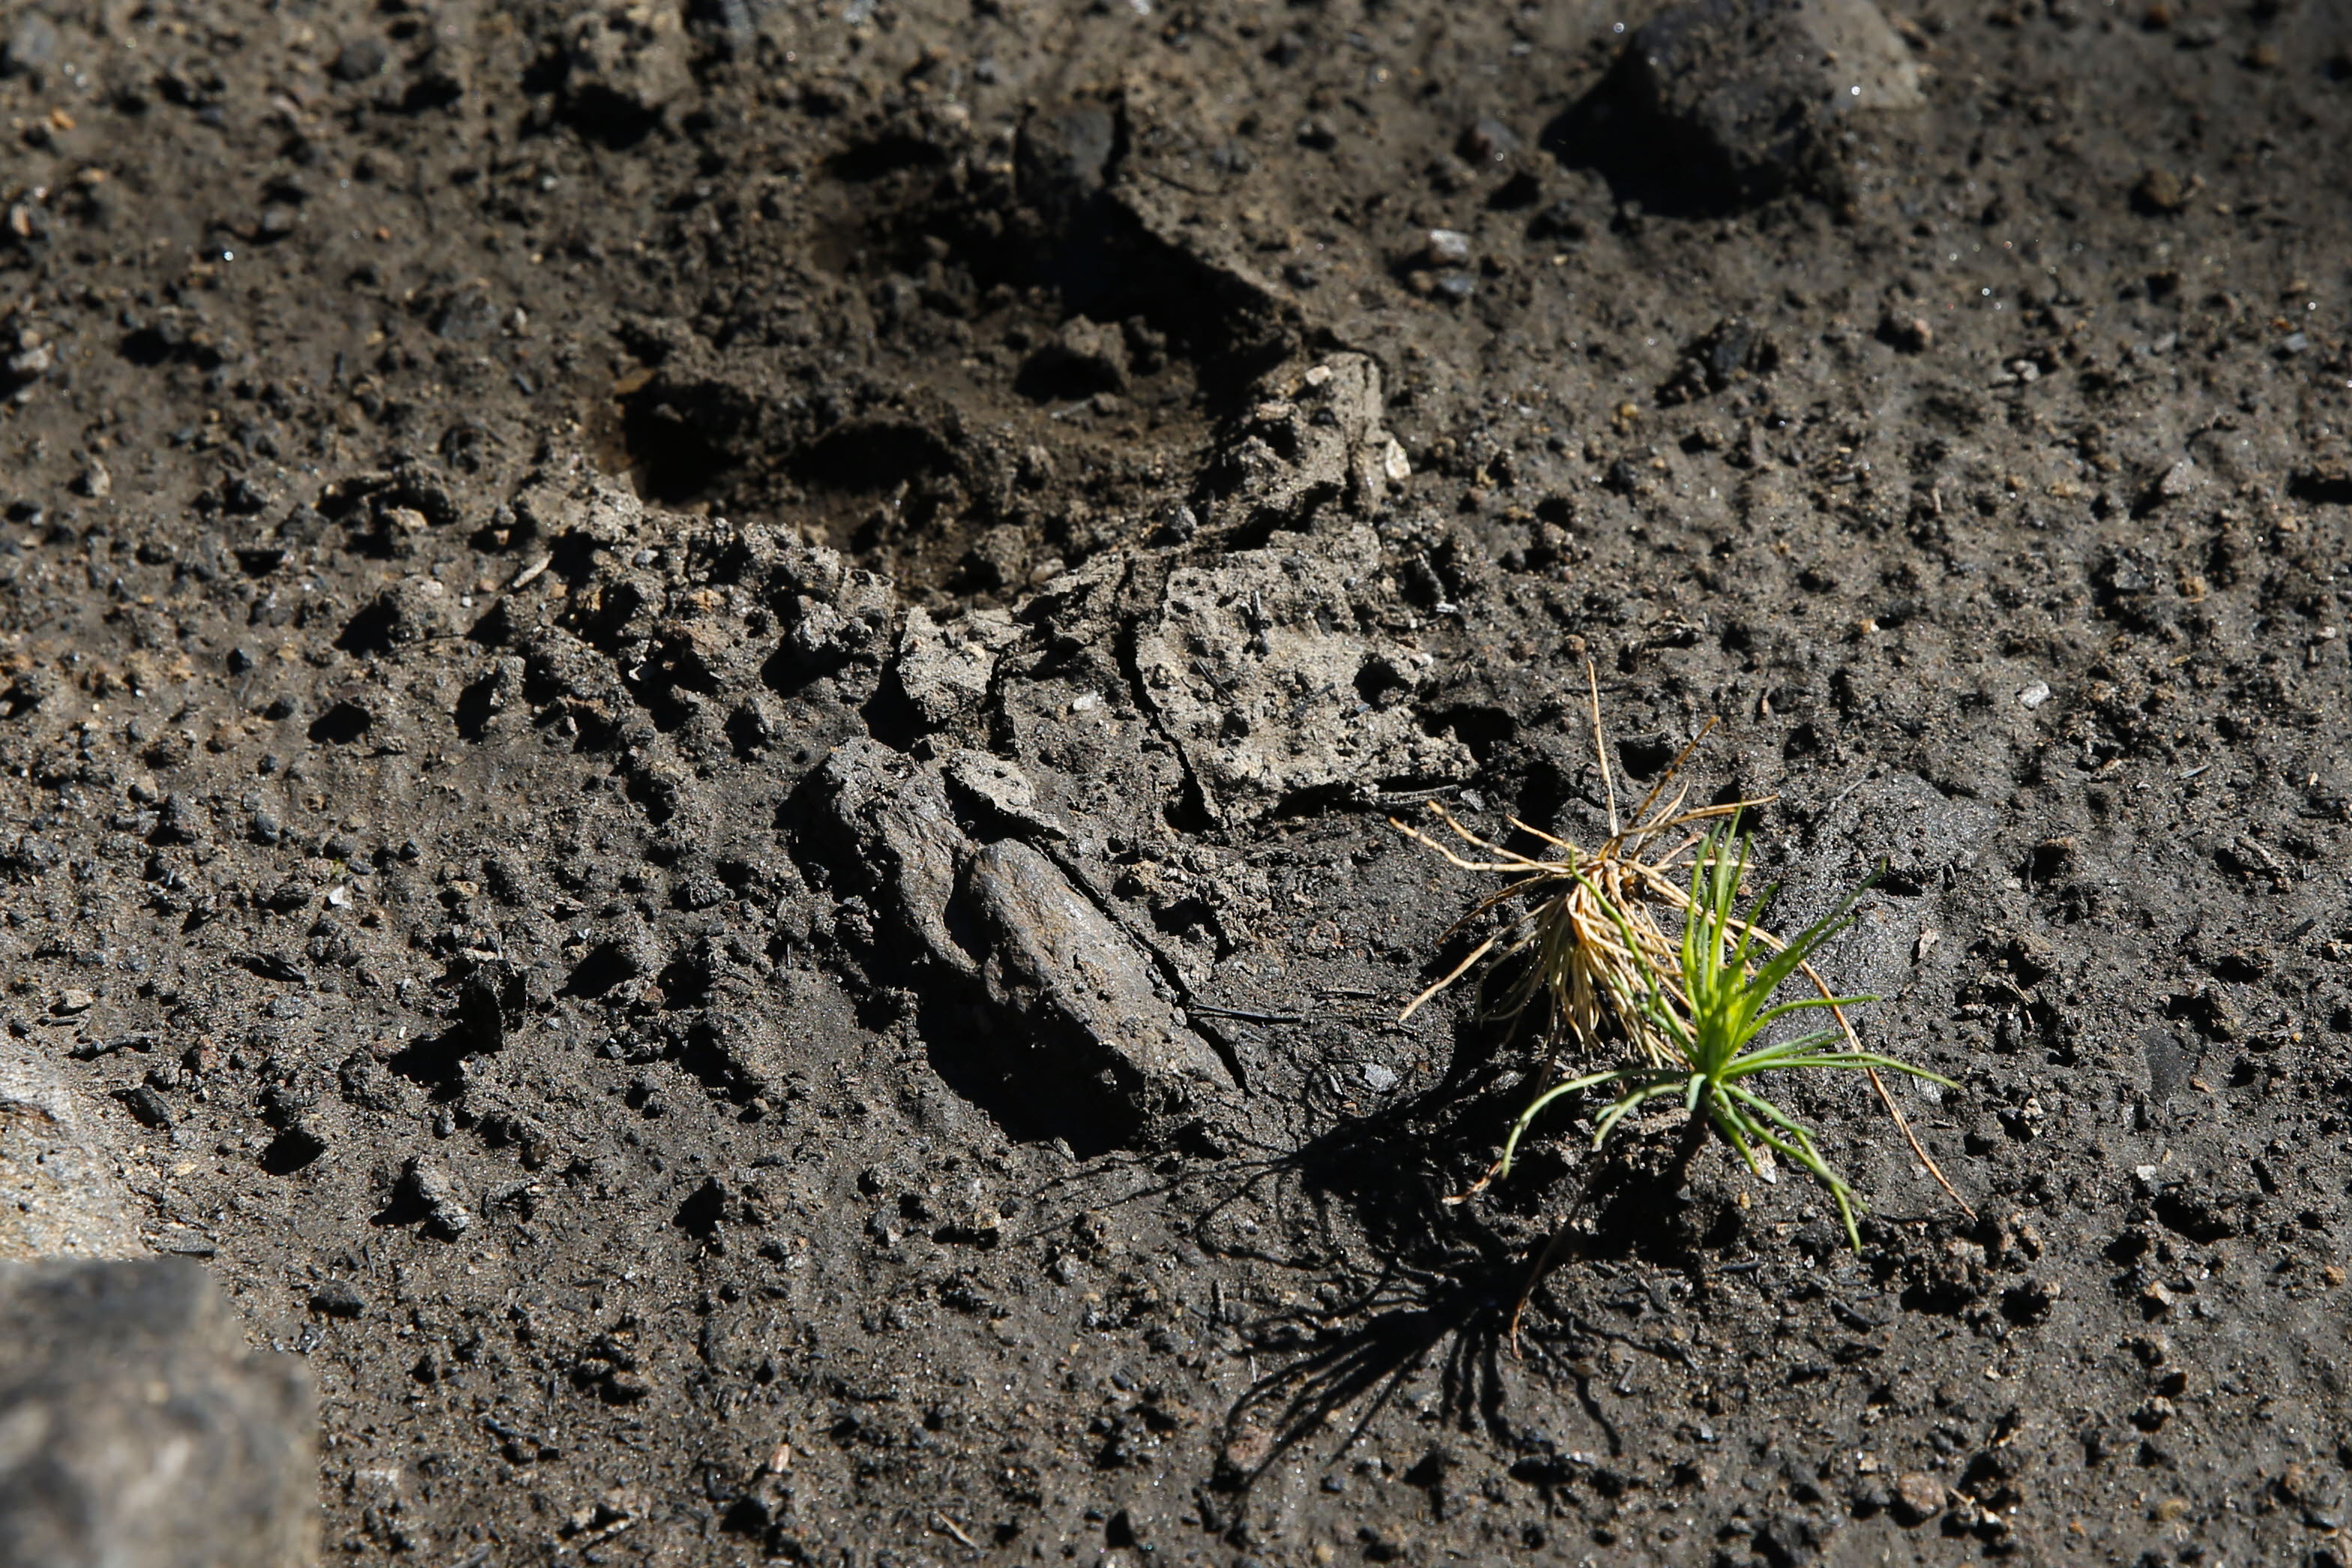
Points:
[[1713, 1011], [1581, 942]]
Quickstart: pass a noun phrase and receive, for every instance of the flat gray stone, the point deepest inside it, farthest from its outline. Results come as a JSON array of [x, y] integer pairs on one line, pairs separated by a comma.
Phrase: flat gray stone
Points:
[[1056, 959], [137, 1431], [1272, 694], [941, 850], [59, 1196]]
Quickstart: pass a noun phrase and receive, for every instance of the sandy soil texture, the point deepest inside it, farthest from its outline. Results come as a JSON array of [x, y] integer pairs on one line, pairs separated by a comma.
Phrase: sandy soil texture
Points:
[[698, 708]]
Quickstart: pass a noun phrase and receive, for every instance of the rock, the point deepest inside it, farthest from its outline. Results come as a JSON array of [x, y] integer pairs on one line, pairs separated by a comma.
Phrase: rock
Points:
[[1001, 791], [336, 1298], [1445, 247], [1270, 693], [2173, 1058], [1313, 438], [59, 1196], [139, 1433], [1059, 961], [1720, 102], [945, 669], [904, 842], [1085, 358], [413, 610], [1733, 350], [1487, 140], [1917, 1497], [2181, 479], [358, 59], [1062, 156], [430, 1188], [32, 44], [2158, 193], [938, 850], [625, 63], [1905, 333]]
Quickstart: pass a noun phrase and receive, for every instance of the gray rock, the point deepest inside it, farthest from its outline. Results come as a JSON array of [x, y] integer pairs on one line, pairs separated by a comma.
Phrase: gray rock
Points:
[[1260, 678], [945, 668], [938, 849], [1062, 156], [1056, 960], [1082, 358], [1254, 664], [905, 840], [626, 62], [1002, 791], [1721, 102], [59, 1196], [1314, 441], [1446, 247], [136, 1431], [446, 1214], [32, 43], [360, 58]]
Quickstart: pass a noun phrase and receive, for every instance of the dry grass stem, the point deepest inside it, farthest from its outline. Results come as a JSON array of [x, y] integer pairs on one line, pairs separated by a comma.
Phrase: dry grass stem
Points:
[[1582, 934]]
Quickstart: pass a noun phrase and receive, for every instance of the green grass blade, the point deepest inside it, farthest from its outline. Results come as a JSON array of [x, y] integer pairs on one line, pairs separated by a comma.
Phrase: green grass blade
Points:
[[1520, 1128], [1866, 1059]]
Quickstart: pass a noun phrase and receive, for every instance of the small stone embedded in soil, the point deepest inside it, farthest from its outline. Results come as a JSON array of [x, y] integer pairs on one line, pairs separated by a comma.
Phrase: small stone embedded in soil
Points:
[[1266, 703], [2175, 482], [1446, 247], [1487, 140], [1061, 155], [1917, 1497], [966, 902], [1084, 359], [31, 45], [2159, 193], [626, 62], [1722, 101], [59, 1194], [2034, 694], [1054, 957], [945, 668], [1907, 333], [360, 58], [336, 1298], [432, 1190]]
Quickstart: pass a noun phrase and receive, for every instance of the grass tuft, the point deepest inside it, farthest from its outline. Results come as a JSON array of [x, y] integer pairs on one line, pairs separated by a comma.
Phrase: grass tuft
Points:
[[1585, 953], [1713, 1007]]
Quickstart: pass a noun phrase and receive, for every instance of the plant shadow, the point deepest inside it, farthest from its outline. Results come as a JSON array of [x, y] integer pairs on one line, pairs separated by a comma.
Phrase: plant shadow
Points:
[[1404, 1280]]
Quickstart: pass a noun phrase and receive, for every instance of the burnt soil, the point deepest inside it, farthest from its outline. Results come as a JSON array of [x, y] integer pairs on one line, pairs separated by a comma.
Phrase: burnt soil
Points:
[[467, 471]]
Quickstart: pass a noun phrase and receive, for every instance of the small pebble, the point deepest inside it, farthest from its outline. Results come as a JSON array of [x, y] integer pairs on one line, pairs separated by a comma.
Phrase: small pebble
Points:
[[360, 59], [1906, 334], [2035, 695], [1918, 1496], [1446, 247], [2160, 192], [336, 1298]]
